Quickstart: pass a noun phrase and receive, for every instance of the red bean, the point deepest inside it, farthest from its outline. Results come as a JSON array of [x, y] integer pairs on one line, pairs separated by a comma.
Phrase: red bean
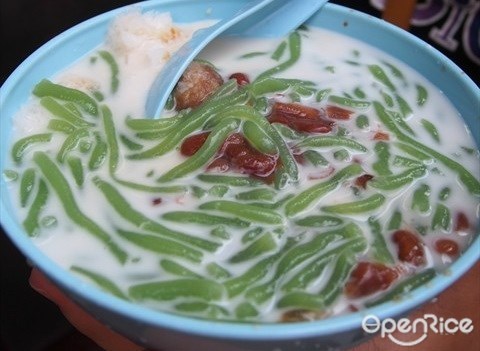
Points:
[[381, 136], [335, 112], [299, 117], [156, 201], [461, 222], [241, 78], [410, 247], [362, 181], [235, 154], [368, 278], [255, 163], [245, 158], [234, 146], [219, 165], [193, 143], [447, 247]]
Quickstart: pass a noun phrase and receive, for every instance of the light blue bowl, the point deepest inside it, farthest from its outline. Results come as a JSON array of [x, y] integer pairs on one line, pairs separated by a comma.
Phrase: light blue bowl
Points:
[[172, 332]]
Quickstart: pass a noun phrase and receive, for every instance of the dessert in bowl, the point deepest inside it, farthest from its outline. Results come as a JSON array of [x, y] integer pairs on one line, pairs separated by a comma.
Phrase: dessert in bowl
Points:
[[305, 179]]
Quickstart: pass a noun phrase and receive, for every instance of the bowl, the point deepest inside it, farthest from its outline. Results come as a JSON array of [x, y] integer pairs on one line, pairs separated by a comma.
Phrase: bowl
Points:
[[160, 330]]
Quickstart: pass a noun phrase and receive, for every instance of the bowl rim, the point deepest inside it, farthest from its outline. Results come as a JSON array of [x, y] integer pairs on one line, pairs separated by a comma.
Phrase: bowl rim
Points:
[[80, 290]]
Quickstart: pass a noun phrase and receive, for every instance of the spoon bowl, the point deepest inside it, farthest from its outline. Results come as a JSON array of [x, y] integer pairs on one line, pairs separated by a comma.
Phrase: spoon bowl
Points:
[[258, 18]]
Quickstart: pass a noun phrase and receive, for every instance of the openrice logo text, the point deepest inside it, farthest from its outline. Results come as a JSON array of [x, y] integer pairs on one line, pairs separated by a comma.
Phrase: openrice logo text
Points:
[[429, 323]]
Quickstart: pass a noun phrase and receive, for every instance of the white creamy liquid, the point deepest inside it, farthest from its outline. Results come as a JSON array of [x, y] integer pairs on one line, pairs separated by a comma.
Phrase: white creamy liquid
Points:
[[324, 61]]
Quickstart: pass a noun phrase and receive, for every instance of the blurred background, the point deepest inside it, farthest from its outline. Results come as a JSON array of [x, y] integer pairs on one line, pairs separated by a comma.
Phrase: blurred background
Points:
[[29, 322]]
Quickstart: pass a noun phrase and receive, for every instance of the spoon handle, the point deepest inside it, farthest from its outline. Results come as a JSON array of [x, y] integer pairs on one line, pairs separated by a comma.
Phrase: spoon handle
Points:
[[276, 19]]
